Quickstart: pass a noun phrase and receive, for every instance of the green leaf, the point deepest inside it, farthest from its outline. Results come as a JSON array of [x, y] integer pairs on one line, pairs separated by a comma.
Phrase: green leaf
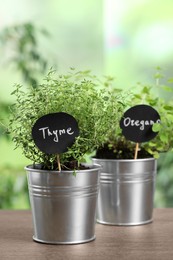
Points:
[[156, 127], [164, 138], [168, 89]]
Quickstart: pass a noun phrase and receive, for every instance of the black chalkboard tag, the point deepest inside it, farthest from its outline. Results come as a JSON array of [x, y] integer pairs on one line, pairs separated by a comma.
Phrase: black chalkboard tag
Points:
[[54, 133], [136, 124], [137, 121]]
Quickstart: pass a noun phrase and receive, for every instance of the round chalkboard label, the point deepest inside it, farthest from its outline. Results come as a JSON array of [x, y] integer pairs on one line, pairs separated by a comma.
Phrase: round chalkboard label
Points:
[[136, 124], [54, 133]]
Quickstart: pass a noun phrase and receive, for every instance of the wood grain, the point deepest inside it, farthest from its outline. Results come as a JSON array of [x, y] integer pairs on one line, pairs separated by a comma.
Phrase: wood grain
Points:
[[151, 241]]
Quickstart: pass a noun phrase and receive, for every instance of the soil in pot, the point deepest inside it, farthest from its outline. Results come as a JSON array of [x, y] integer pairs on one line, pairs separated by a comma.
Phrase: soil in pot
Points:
[[120, 150]]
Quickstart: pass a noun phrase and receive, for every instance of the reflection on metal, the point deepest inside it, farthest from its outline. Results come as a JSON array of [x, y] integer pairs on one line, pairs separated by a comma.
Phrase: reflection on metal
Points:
[[63, 205], [126, 191]]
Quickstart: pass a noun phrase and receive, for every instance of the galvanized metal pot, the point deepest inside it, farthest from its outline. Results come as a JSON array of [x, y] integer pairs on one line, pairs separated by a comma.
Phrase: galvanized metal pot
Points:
[[63, 205], [126, 191]]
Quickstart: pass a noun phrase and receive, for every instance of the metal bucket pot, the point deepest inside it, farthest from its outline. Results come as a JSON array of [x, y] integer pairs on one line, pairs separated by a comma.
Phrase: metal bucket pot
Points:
[[126, 191], [63, 206]]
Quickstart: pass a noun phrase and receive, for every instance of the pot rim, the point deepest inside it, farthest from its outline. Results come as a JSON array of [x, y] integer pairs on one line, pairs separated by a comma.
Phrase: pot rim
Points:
[[125, 160], [94, 166]]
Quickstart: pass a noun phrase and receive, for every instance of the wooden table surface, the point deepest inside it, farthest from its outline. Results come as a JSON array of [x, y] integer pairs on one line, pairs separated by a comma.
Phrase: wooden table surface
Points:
[[151, 241]]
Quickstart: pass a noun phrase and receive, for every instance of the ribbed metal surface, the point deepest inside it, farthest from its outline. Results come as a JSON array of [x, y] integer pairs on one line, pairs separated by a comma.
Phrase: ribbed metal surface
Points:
[[63, 206], [126, 191], [54, 192]]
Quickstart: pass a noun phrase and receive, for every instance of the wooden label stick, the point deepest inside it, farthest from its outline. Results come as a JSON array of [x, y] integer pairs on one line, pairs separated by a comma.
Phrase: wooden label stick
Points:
[[136, 151], [58, 162]]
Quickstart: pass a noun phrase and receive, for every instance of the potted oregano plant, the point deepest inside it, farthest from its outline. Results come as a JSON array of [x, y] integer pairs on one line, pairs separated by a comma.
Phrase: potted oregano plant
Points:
[[129, 163], [56, 124]]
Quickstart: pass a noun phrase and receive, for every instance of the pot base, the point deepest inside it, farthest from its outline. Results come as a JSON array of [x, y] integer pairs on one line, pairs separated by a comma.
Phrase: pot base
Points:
[[125, 224], [65, 242]]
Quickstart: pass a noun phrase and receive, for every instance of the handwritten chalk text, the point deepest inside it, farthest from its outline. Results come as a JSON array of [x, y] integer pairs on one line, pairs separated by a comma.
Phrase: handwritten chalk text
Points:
[[140, 123], [55, 133]]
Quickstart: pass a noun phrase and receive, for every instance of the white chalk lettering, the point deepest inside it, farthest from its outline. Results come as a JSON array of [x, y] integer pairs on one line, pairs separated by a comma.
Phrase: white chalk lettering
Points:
[[61, 131], [43, 131], [46, 132], [56, 139], [137, 123], [140, 123], [127, 121], [49, 132], [132, 122], [68, 131]]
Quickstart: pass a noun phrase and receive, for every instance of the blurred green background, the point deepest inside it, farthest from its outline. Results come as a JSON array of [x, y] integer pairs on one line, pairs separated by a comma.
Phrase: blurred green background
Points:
[[126, 39]]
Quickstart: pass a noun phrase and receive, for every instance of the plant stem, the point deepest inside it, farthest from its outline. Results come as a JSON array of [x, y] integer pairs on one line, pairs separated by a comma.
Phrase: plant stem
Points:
[[136, 151], [58, 161]]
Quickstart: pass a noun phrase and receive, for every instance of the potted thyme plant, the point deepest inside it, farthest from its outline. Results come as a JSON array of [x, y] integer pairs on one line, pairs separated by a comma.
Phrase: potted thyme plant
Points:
[[63, 191], [126, 194]]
